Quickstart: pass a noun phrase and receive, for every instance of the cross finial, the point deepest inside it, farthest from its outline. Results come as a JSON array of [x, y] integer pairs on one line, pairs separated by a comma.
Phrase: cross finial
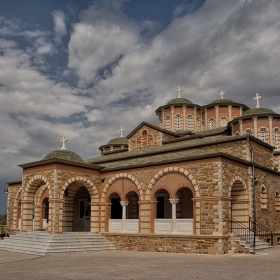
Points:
[[63, 141], [258, 97], [222, 93], [121, 131], [179, 91]]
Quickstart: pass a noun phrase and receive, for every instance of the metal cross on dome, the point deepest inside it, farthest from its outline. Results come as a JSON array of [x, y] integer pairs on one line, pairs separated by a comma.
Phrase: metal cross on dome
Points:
[[179, 91], [121, 131], [222, 93], [258, 97], [63, 141]]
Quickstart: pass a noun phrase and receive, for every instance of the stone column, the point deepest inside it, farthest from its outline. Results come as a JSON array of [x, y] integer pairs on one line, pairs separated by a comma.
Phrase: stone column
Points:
[[146, 216], [37, 217], [27, 215], [205, 119], [255, 127], [240, 127], [195, 120], [230, 112], [270, 130], [162, 119], [95, 217], [217, 124], [173, 202], [123, 204], [184, 117], [55, 214]]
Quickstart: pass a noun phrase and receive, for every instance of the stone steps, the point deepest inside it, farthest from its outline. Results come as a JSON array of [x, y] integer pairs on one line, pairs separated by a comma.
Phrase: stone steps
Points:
[[259, 243], [42, 243]]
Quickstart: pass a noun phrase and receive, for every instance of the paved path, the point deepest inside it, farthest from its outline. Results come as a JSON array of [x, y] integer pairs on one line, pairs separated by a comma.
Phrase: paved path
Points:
[[138, 265]]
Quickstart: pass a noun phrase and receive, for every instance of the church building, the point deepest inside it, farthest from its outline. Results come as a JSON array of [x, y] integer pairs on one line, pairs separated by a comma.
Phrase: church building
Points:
[[188, 184]]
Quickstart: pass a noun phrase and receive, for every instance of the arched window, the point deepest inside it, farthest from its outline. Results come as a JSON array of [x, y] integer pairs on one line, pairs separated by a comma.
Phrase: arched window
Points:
[[277, 201], [223, 121], [197, 123], [203, 125], [212, 123], [248, 131], [276, 138], [263, 134], [145, 139], [263, 198], [189, 124], [168, 122], [178, 122]]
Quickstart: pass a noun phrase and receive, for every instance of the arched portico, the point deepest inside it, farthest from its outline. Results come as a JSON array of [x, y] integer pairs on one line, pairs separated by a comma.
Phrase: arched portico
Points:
[[31, 207], [173, 211]]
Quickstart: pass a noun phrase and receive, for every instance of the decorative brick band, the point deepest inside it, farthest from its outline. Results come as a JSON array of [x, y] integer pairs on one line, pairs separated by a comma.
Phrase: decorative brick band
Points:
[[173, 169], [121, 176]]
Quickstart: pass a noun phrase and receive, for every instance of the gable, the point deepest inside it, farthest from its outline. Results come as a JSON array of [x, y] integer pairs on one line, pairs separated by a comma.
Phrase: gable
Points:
[[146, 137]]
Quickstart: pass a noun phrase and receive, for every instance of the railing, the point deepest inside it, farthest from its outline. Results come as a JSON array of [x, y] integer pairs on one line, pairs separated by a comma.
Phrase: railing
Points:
[[242, 231], [261, 231]]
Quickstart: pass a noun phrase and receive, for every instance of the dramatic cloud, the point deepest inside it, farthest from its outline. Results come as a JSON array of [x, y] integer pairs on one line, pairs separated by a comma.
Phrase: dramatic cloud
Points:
[[119, 71]]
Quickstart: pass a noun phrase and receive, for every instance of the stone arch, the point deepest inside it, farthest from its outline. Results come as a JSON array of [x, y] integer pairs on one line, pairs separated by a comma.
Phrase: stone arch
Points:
[[39, 193], [167, 170], [81, 194], [76, 181], [33, 184], [239, 207], [17, 209], [122, 176]]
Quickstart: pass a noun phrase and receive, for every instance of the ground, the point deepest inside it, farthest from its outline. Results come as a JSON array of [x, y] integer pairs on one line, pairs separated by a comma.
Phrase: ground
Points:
[[138, 265]]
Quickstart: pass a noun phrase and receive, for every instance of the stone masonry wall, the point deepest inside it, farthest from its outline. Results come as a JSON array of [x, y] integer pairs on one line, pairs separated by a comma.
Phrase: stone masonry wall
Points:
[[214, 245]]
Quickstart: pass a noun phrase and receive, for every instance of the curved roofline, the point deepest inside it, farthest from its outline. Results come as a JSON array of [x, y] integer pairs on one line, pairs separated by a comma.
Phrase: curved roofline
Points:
[[192, 105], [226, 103], [253, 115]]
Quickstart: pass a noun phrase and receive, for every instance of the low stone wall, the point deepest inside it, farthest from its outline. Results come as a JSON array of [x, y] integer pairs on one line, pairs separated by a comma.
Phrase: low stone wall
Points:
[[188, 244]]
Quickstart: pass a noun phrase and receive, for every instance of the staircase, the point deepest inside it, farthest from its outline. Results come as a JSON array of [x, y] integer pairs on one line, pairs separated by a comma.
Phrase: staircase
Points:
[[42, 243], [245, 236]]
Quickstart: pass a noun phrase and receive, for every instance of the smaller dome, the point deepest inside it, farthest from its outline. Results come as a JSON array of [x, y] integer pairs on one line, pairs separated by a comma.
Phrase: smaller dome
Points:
[[221, 101], [63, 154], [258, 111], [179, 101], [118, 141]]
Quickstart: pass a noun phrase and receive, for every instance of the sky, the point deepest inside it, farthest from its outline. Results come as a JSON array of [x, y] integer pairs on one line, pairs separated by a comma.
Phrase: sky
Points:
[[85, 68]]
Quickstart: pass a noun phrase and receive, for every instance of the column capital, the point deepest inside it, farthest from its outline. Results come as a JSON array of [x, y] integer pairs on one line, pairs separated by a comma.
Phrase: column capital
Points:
[[174, 201], [124, 203]]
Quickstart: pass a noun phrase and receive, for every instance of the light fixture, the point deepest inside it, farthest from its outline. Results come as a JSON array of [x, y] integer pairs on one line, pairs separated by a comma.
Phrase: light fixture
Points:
[[6, 191], [102, 179]]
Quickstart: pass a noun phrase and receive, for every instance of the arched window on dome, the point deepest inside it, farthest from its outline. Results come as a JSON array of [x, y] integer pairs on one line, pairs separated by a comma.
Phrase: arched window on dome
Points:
[[197, 124], [203, 125], [263, 134], [276, 138], [189, 122], [168, 122], [277, 201], [223, 121], [178, 117], [212, 123], [248, 131]]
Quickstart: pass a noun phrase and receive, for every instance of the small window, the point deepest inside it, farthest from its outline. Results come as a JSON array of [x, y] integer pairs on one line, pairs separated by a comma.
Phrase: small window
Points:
[[178, 122], [223, 121], [276, 138], [263, 198], [212, 123], [189, 122], [168, 123], [263, 134], [277, 201]]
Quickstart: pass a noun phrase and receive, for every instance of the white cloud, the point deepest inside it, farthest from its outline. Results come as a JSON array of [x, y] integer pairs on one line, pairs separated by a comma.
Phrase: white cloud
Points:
[[59, 25]]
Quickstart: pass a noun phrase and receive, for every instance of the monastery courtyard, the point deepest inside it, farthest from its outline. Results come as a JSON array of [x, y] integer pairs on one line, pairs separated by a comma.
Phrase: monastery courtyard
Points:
[[138, 265]]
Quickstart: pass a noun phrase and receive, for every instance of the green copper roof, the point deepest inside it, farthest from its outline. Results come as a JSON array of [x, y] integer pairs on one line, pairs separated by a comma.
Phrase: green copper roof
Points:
[[258, 111], [179, 101], [63, 154], [222, 101], [118, 141]]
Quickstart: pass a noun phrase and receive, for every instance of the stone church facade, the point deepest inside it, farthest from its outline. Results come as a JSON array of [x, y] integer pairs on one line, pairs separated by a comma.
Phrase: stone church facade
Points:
[[174, 187]]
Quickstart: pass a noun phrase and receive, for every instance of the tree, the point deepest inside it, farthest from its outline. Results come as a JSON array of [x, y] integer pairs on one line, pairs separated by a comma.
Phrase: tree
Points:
[[3, 219]]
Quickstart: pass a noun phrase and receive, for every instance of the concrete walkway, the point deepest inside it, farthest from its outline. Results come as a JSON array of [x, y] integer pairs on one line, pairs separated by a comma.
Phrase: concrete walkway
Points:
[[138, 265]]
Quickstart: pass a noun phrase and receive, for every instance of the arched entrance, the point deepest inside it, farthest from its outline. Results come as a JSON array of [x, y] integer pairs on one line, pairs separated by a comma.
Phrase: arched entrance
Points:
[[45, 213], [239, 203], [76, 208]]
